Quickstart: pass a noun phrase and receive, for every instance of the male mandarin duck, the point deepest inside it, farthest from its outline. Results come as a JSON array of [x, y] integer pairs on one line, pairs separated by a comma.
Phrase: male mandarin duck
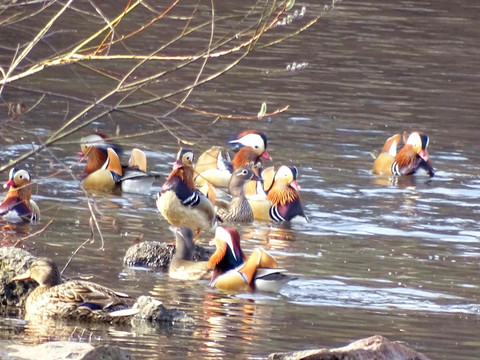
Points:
[[408, 160], [80, 300], [94, 148], [18, 205], [250, 147], [238, 209], [230, 272], [108, 176], [182, 266], [135, 178], [180, 203], [283, 201], [214, 167]]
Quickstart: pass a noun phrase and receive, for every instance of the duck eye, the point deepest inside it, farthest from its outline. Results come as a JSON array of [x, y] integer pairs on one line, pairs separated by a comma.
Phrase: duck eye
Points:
[[244, 172]]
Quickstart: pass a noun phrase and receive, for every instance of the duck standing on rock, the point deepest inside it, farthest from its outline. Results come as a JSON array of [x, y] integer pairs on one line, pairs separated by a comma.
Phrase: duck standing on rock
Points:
[[238, 209], [182, 266], [180, 203], [18, 205], [74, 300], [408, 160]]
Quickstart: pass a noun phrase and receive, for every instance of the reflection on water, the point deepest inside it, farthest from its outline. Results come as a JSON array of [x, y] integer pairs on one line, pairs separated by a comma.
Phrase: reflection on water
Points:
[[396, 254]]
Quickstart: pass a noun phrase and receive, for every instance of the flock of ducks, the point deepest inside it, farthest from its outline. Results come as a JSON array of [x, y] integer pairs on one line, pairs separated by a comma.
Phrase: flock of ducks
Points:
[[190, 201]]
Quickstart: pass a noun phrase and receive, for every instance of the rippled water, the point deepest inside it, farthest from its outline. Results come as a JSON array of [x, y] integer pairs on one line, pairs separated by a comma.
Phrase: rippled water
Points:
[[398, 259]]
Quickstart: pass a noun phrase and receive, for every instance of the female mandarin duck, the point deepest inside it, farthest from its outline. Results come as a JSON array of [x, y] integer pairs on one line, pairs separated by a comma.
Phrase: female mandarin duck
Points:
[[94, 147], [230, 272], [81, 300], [238, 209], [214, 167], [18, 205], [283, 202], [180, 203], [182, 266], [108, 176], [408, 160]]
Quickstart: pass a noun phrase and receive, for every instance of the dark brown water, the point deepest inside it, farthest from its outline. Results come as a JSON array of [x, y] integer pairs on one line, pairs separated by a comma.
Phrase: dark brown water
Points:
[[399, 260]]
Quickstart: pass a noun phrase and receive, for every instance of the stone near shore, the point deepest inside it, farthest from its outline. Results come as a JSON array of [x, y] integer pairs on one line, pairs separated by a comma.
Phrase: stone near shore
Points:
[[14, 261], [59, 350], [154, 312], [373, 348], [158, 255]]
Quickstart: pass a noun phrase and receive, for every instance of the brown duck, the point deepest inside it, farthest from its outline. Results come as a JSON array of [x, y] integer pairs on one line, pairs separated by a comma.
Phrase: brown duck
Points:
[[77, 299], [238, 209], [182, 266]]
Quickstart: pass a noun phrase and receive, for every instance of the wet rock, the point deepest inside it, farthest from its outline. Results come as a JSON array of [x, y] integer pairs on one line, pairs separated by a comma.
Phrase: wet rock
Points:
[[373, 348], [58, 350], [158, 255], [14, 261], [153, 312]]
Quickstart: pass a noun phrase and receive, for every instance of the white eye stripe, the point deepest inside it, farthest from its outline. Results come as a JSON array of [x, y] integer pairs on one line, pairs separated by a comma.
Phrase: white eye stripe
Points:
[[252, 140]]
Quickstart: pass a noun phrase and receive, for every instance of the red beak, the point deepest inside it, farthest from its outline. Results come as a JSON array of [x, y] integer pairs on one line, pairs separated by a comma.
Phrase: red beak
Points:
[[266, 155], [424, 155], [177, 164], [294, 184], [9, 183]]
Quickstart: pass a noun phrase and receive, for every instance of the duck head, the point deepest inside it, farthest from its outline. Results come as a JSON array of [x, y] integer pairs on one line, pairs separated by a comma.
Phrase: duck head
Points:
[[228, 254], [239, 180], [255, 139], [285, 186], [17, 178], [416, 145], [43, 271]]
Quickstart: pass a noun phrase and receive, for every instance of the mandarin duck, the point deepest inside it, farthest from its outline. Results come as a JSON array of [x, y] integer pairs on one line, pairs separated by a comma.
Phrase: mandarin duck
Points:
[[213, 167], [238, 209], [94, 149], [18, 205], [76, 299], [180, 203], [108, 176], [182, 266], [216, 168], [412, 156], [135, 178], [283, 201], [230, 271], [250, 147]]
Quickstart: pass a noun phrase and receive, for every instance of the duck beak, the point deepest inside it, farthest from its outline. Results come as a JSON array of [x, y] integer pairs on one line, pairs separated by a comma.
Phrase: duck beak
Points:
[[177, 164], [266, 155], [424, 155], [294, 184], [24, 276], [9, 183]]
